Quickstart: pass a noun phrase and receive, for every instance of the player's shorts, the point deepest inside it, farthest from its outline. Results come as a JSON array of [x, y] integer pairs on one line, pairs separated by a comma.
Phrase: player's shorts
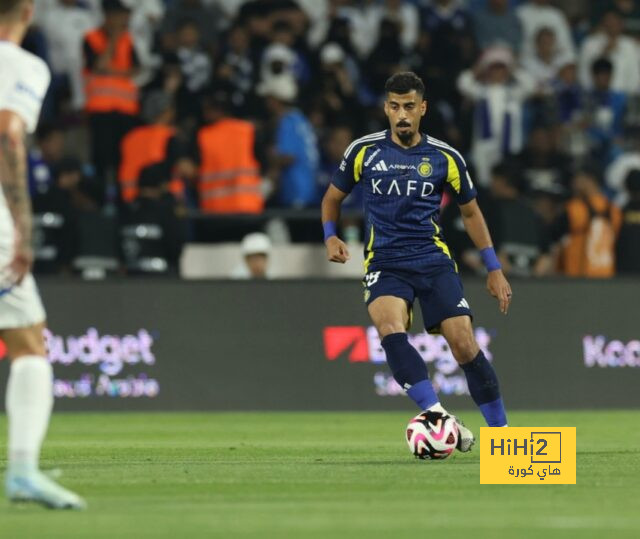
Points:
[[20, 305], [439, 292]]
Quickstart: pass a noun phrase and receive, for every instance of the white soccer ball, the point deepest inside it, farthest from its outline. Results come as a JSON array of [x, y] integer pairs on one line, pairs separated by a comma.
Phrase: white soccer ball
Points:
[[432, 435]]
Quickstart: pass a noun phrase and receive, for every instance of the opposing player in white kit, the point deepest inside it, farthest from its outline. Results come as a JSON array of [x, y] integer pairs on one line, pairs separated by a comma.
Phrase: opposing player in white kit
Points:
[[24, 79]]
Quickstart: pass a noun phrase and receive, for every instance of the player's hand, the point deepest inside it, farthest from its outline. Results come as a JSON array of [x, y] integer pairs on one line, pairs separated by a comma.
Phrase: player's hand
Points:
[[21, 263], [499, 288], [337, 250]]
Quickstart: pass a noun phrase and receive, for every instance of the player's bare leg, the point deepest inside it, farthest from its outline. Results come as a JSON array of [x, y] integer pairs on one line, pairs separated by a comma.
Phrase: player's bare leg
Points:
[[29, 400], [481, 378], [390, 315]]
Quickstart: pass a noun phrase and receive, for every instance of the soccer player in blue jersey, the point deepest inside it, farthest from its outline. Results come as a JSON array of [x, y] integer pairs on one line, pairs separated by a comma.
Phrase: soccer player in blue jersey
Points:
[[403, 173]]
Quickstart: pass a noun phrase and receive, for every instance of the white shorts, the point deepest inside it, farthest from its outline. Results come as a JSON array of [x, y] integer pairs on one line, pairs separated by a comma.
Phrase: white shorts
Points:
[[21, 306]]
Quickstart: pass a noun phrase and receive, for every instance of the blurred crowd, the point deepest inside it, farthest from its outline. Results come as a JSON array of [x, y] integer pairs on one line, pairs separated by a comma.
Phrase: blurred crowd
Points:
[[161, 109]]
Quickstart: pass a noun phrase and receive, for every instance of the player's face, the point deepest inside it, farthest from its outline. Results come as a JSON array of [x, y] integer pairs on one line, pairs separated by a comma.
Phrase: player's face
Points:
[[405, 112]]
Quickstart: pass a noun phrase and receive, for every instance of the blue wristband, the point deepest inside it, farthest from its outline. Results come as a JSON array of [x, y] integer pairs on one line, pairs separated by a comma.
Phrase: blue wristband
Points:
[[490, 259], [330, 229]]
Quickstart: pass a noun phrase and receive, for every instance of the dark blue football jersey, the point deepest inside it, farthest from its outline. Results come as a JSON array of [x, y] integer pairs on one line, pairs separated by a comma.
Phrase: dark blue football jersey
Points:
[[402, 189]]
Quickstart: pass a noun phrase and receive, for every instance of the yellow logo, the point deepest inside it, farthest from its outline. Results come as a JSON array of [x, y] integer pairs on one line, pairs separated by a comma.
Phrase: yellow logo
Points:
[[527, 455], [367, 295], [425, 169]]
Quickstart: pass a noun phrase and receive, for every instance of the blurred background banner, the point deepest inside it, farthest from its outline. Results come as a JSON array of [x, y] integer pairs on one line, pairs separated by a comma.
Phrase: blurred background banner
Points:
[[307, 345]]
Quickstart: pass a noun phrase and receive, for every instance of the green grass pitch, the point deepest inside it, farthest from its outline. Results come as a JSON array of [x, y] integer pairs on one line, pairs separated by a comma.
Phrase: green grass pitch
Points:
[[319, 475]]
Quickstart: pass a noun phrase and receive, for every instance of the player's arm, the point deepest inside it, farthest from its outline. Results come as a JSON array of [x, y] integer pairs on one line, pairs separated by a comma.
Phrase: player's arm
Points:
[[476, 227], [336, 249], [342, 182], [13, 179]]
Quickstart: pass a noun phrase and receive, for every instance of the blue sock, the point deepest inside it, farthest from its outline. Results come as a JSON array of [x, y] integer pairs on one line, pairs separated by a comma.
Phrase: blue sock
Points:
[[409, 370], [484, 389]]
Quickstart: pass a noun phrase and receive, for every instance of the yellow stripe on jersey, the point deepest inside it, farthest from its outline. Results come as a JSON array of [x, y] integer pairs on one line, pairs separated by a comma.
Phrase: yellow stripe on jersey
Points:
[[357, 163], [369, 250], [438, 240], [453, 174]]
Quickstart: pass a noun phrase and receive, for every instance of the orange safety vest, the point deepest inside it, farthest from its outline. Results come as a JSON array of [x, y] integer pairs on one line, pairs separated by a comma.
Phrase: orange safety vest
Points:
[[588, 252], [111, 93], [141, 147], [229, 171]]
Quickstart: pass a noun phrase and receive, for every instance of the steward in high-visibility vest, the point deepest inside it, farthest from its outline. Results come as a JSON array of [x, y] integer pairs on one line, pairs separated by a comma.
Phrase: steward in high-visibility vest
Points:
[[148, 145], [109, 61], [230, 179], [592, 225], [111, 95]]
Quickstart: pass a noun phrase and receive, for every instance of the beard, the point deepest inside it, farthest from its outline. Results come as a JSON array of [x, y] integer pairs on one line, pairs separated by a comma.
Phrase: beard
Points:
[[405, 136]]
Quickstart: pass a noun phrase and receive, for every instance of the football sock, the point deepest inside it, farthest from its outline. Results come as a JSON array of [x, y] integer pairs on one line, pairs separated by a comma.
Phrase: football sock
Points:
[[484, 389], [409, 370], [29, 401]]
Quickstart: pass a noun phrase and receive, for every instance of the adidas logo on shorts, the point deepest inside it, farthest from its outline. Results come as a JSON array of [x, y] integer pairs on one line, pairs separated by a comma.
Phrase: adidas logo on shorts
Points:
[[464, 304]]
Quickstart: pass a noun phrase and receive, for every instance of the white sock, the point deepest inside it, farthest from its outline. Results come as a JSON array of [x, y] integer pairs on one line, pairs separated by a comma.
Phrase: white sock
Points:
[[29, 401]]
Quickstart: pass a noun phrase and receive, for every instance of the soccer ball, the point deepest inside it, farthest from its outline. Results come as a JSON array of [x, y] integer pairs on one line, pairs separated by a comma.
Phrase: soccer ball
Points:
[[432, 435]]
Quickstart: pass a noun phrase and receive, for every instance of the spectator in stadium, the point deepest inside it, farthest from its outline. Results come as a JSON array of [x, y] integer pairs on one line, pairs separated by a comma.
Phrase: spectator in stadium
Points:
[[367, 17], [518, 232], [537, 14], [387, 57], [208, 19], [279, 60], [497, 90], [146, 18], [543, 166], [156, 142], [585, 234], [497, 24], [283, 35], [44, 157], [447, 31], [65, 23], [229, 176], [196, 69], [568, 94], [256, 249], [110, 63], [154, 206], [609, 41], [335, 89], [293, 159], [617, 172], [337, 27], [628, 246], [546, 60], [629, 11], [236, 69], [604, 110]]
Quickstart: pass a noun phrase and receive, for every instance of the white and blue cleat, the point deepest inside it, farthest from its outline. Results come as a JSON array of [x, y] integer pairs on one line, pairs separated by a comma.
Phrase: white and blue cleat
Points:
[[466, 438], [36, 487]]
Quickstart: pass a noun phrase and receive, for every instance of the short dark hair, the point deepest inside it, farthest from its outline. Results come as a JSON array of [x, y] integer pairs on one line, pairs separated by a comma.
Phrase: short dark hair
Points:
[[403, 83], [601, 65]]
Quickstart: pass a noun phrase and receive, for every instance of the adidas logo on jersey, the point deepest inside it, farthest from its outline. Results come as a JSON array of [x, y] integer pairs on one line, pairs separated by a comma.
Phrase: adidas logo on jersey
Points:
[[464, 304], [380, 166]]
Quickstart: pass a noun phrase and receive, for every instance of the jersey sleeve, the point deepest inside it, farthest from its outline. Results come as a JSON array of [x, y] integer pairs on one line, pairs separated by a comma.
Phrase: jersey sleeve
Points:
[[23, 90], [344, 178], [458, 178]]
